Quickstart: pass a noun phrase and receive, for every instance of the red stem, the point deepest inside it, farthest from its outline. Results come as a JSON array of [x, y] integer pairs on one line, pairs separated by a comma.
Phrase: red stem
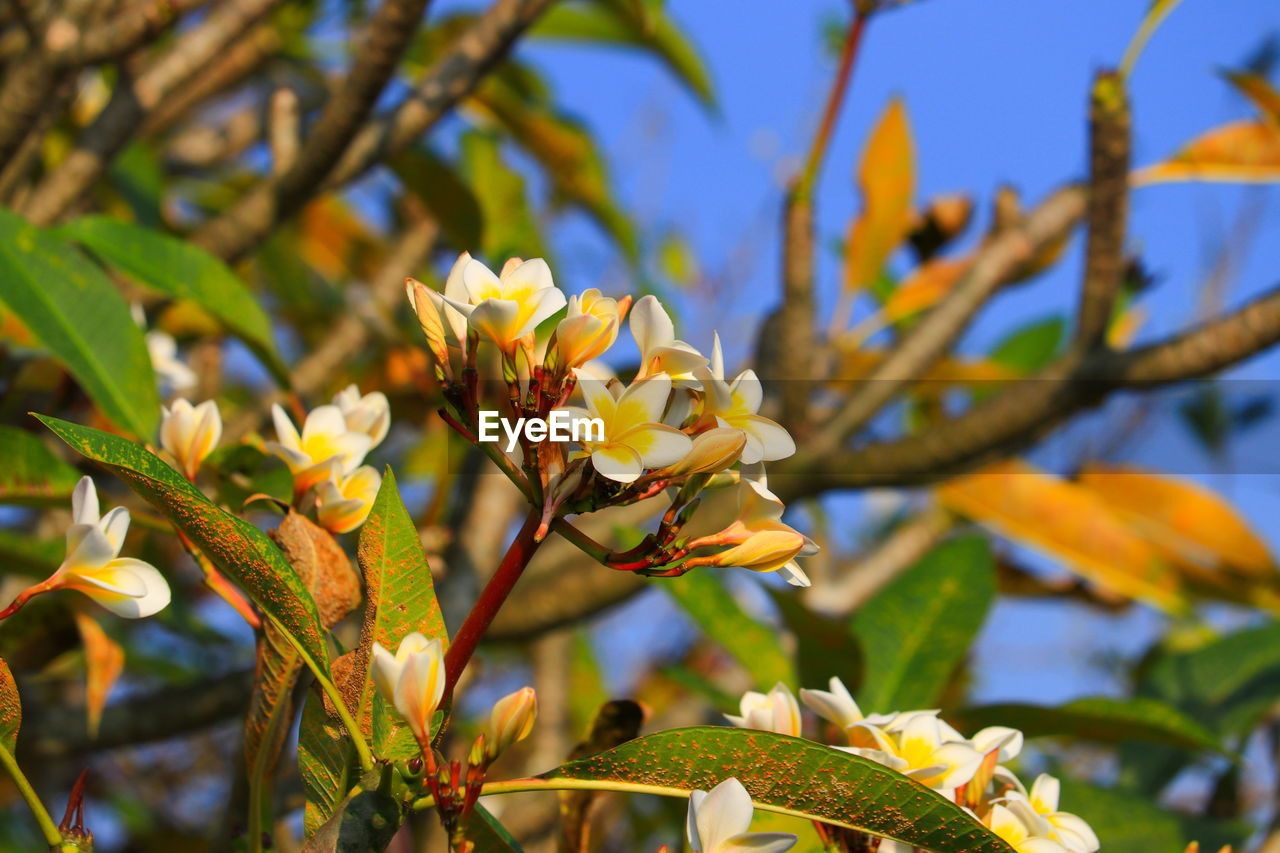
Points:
[[835, 98], [495, 592]]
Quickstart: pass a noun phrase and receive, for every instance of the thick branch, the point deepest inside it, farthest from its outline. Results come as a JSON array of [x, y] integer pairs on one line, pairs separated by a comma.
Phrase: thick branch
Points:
[[1108, 209], [942, 326], [242, 227], [1034, 406]]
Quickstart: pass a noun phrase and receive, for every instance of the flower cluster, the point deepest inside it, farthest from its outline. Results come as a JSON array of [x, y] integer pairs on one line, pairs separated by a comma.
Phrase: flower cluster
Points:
[[326, 456], [920, 745], [679, 427], [126, 586]]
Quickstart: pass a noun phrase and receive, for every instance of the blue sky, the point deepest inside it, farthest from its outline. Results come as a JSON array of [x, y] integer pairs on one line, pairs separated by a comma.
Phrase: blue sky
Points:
[[996, 93]]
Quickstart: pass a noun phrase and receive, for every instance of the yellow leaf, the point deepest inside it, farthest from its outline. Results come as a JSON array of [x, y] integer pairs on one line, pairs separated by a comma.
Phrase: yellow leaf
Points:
[[857, 363], [103, 663], [1186, 521], [1124, 328], [1067, 521], [1259, 90], [924, 288], [1243, 151], [886, 178]]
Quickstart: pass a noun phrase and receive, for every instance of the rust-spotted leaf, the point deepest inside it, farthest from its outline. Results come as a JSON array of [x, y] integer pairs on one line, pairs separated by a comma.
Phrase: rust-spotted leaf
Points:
[[1067, 521], [886, 178], [10, 709]]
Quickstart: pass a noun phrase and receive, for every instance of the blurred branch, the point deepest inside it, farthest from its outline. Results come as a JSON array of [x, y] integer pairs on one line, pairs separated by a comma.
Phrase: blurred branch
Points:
[[935, 334], [1108, 209], [254, 216], [58, 730], [134, 98], [1030, 408], [796, 314]]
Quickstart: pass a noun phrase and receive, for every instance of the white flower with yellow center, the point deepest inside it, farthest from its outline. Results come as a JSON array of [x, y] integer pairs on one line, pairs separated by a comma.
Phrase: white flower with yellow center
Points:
[[589, 328], [660, 352], [343, 501], [369, 413], [190, 433], [1022, 829], [505, 309], [634, 437], [1069, 829], [412, 680], [735, 404], [931, 754], [93, 565], [762, 543], [776, 711], [719, 821], [325, 447]]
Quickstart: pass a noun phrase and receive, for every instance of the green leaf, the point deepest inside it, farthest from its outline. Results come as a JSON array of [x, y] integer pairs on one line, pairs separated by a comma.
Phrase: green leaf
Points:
[[29, 472], [825, 646], [1099, 718], [183, 271], [399, 599], [704, 596], [916, 630], [239, 549], [1125, 821], [1032, 346], [587, 690], [488, 835], [783, 774], [510, 225], [326, 763], [618, 22], [76, 313], [10, 709], [445, 194]]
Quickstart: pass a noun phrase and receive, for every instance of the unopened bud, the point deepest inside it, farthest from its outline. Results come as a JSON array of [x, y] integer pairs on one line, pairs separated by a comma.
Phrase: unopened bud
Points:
[[511, 720], [476, 758]]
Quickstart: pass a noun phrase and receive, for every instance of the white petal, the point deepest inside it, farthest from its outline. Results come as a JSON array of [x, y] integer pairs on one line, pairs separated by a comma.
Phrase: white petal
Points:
[[621, 465], [650, 395], [794, 575], [84, 502], [154, 598], [479, 282], [93, 549], [115, 524], [650, 325], [761, 842], [775, 441], [533, 273], [657, 446], [717, 357], [691, 819], [548, 302], [747, 387], [286, 432], [386, 672], [725, 812]]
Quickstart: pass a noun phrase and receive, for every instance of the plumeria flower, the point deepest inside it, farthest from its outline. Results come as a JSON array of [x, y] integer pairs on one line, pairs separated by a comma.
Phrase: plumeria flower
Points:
[[838, 707], [1022, 829], [933, 758], [719, 821], [510, 721], [589, 328], [344, 500], [735, 404], [369, 414], [325, 445], [634, 437], [412, 680], [163, 350], [1069, 829], [93, 565], [190, 433], [777, 711], [660, 352], [712, 451], [1004, 741], [507, 308], [761, 542]]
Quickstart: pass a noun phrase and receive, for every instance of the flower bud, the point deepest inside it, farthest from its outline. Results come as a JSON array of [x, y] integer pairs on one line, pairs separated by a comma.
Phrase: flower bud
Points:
[[712, 451], [428, 306], [511, 720], [190, 433]]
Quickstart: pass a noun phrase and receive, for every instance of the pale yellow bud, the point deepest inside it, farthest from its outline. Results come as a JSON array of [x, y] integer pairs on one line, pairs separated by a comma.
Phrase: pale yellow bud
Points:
[[190, 433], [511, 720], [428, 307], [712, 451]]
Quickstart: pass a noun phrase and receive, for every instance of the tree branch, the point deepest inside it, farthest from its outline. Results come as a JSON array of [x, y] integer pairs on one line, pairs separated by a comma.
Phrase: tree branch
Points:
[[941, 327], [1029, 409]]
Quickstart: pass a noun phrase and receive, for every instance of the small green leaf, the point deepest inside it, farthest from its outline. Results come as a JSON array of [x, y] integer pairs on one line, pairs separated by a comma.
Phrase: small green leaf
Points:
[[704, 596], [446, 195], [239, 549], [1032, 346], [183, 271], [510, 225], [76, 313], [29, 472], [488, 835], [1099, 718], [916, 630], [783, 774]]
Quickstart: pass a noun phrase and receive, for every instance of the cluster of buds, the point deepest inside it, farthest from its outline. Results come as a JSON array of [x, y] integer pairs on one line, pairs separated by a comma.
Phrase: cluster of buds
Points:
[[919, 744], [678, 428], [413, 681], [326, 457]]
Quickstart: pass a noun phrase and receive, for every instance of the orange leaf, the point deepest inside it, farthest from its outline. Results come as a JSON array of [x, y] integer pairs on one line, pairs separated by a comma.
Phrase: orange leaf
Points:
[[103, 663], [1243, 151], [1259, 90], [856, 363], [1184, 520], [924, 288], [1067, 521], [887, 179]]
